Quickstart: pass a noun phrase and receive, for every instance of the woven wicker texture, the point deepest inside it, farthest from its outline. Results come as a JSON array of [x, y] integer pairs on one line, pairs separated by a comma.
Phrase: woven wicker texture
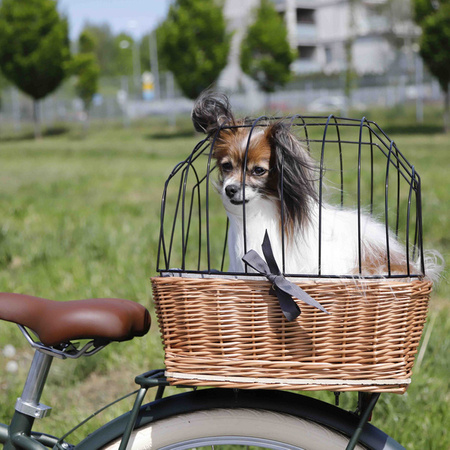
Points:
[[232, 333]]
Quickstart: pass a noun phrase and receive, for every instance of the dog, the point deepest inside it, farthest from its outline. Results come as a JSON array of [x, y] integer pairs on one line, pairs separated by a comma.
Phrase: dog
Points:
[[277, 192]]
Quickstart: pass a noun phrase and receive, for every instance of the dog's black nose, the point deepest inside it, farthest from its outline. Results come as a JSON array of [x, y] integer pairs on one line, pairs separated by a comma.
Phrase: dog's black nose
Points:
[[231, 190]]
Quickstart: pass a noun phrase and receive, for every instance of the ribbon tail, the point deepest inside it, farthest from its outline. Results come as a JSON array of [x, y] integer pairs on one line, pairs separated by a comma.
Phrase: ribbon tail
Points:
[[290, 309], [298, 292]]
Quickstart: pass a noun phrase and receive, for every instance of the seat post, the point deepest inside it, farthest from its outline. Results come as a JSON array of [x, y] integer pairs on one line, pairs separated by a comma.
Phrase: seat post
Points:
[[28, 403], [28, 407]]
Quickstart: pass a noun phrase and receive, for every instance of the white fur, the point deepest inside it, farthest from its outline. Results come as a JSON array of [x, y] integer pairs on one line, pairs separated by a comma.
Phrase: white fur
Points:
[[339, 246]]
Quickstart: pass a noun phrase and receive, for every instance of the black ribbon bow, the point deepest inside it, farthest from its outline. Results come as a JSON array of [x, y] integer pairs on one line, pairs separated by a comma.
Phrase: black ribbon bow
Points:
[[284, 289]]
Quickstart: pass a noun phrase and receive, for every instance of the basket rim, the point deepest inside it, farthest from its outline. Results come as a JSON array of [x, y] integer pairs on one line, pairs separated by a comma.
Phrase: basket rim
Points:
[[228, 276], [288, 381]]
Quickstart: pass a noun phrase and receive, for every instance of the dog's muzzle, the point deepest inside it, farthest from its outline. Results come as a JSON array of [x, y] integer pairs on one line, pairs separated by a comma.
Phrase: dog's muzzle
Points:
[[231, 190], [235, 194]]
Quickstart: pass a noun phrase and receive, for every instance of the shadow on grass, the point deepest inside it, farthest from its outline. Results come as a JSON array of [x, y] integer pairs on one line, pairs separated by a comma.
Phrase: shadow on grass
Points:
[[161, 135], [29, 135], [413, 129]]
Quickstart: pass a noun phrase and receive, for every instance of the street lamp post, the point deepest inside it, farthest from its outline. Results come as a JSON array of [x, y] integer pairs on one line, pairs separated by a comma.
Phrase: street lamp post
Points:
[[419, 83], [124, 44], [133, 25], [153, 48]]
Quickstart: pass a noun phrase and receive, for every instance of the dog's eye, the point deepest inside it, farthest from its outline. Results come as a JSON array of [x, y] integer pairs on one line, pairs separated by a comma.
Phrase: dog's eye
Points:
[[227, 167], [258, 171]]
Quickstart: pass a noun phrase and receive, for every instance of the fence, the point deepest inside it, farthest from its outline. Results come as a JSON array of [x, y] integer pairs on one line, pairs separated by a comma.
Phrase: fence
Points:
[[119, 100]]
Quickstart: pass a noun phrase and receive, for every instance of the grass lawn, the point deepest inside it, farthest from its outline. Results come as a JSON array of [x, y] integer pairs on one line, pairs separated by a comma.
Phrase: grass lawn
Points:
[[79, 218]]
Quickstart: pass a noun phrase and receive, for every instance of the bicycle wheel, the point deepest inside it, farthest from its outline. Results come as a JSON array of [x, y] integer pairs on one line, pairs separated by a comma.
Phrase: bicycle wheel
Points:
[[233, 429], [226, 418]]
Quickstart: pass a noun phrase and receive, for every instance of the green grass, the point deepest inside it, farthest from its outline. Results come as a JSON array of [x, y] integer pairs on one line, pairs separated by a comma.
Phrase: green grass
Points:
[[79, 218]]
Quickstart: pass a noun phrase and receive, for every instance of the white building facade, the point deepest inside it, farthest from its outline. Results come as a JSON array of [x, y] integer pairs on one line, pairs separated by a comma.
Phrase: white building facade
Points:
[[321, 29]]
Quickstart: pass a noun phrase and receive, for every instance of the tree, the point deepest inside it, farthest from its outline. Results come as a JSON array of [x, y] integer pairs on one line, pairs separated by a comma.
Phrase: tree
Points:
[[114, 52], [122, 57], [434, 19], [34, 48], [85, 67], [87, 42], [423, 8], [2, 86], [105, 47], [194, 44], [266, 55]]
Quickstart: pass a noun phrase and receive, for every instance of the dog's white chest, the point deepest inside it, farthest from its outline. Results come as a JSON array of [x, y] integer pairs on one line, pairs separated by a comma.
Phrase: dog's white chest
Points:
[[248, 234]]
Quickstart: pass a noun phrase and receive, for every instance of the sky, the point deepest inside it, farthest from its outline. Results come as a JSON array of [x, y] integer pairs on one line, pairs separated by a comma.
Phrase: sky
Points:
[[135, 17]]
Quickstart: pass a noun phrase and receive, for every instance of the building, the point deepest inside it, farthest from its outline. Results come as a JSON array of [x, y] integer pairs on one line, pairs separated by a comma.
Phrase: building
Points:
[[321, 30]]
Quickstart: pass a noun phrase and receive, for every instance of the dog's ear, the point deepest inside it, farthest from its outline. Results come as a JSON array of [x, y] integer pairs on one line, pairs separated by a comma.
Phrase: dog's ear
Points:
[[296, 171], [211, 111]]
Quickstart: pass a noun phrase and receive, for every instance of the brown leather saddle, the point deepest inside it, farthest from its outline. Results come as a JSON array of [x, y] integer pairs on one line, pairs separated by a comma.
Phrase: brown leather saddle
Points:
[[54, 322]]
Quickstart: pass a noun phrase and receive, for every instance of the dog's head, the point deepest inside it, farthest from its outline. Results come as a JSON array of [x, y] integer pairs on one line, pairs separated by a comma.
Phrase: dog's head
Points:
[[261, 162]]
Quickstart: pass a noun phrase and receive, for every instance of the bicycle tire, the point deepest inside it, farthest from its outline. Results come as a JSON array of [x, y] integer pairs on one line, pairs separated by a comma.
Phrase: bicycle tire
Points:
[[281, 402], [234, 428]]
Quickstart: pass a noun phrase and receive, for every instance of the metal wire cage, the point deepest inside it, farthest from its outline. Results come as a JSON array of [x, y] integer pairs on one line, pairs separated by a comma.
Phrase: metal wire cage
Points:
[[358, 168]]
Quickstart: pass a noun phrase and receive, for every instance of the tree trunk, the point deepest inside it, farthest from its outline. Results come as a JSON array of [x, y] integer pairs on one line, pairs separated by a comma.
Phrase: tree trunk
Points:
[[37, 119], [86, 122], [447, 109]]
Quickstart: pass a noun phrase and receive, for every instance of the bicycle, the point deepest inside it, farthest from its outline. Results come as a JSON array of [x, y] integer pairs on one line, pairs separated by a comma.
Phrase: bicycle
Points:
[[214, 417]]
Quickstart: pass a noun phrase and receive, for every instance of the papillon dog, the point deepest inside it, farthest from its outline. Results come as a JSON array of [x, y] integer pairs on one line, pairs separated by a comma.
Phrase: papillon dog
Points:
[[268, 182]]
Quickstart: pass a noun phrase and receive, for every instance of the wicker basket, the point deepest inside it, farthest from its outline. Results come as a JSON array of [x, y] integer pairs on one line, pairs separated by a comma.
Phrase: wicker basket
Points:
[[231, 333]]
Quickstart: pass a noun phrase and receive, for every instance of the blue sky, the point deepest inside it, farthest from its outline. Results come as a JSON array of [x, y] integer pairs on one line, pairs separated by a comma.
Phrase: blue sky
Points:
[[135, 17]]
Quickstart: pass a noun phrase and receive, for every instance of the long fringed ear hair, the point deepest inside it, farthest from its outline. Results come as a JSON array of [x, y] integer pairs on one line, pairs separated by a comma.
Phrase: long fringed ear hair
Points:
[[296, 175], [211, 111]]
